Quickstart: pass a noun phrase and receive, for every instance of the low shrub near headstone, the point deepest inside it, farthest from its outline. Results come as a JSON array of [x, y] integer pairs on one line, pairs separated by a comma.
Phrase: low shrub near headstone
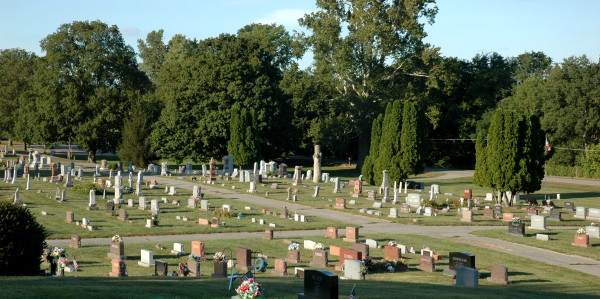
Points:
[[22, 241]]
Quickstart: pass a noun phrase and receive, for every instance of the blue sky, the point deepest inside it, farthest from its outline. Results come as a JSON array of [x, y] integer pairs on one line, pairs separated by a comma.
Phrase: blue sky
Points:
[[463, 28]]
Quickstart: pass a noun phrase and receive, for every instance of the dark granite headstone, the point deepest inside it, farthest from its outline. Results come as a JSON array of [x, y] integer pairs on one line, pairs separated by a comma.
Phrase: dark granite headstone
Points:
[[244, 258], [516, 228], [110, 208], [461, 259], [320, 284], [220, 269], [320, 259], [569, 206], [555, 215], [161, 268]]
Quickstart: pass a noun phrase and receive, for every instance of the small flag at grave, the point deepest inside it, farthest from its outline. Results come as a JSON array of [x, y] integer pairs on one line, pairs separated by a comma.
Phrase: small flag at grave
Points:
[[247, 276], [353, 293]]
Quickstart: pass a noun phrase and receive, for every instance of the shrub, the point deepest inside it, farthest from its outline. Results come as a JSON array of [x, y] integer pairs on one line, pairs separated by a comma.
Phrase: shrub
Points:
[[22, 241]]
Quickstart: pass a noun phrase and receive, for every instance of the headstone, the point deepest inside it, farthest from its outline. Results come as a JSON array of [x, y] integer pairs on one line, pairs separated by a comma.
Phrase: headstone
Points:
[[426, 263], [268, 234], [377, 205], [332, 233], [243, 258], [161, 268], [351, 234], [468, 194], [352, 270], [507, 217], [280, 267], [414, 199], [467, 277], [204, 204], [499, 274], [212, 176], [593, 214], [75, 241], [580, 212], [178, 249], [142, 203], [393, 213], [592, 231], [569, 206], [122, 215], [320, 259], [146, 258], [467, 216], [198, 248], [340, 203], [461, 259], [542, 237], [516, 228], [320, 284], [70, 217], [297, 176], [118, 268], [538, 222], [371, 195], [392, 253], [555, 215], [363, 248], [117, 250], [110, 208]]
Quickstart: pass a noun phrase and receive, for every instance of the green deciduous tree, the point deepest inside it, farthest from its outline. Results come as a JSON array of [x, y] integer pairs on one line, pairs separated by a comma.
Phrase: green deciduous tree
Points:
[[363, 49], [84, 85], [243, 141], [16, 71], [153, 52]]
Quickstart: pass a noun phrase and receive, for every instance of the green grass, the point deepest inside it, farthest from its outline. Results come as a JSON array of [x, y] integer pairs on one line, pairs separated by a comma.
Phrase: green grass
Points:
[[326, 199], [560, 241], [41, 198], [531, 279]]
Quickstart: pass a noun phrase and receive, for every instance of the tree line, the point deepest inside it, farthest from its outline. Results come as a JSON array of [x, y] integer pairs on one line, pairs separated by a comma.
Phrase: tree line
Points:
[[245, 93]]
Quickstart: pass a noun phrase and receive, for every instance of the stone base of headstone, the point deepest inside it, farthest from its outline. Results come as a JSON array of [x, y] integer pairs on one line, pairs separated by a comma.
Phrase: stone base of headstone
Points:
[[92, 208], [350, 240]]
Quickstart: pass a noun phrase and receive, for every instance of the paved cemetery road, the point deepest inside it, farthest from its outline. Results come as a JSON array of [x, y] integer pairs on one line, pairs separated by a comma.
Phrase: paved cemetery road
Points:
[[368, 225]]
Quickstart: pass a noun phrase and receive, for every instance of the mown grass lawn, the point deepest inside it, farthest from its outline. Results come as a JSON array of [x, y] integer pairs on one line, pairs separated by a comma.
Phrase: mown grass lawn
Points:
[[531, 279]]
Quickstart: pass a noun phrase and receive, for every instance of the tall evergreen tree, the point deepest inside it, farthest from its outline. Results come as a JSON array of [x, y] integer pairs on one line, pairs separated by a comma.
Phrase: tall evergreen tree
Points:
[[243, 143], [410, 158], [390, 144], [136, 143], [514, 156], [480, 175], [368, 168]]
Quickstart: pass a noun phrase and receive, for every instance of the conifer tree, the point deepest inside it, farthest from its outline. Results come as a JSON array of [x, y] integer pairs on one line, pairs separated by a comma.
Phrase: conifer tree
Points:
[[389, 145], [410, 158], [368, 167], [480, 175], [243, 142], [136, 143]]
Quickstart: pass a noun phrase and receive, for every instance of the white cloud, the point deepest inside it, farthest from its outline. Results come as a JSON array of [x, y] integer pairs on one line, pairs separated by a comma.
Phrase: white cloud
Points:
[[286, 17], [130, 31]]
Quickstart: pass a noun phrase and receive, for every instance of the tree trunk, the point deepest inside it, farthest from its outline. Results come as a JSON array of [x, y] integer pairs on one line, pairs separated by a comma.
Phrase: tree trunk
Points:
[[10, 142], [92, 156], [24, 146]]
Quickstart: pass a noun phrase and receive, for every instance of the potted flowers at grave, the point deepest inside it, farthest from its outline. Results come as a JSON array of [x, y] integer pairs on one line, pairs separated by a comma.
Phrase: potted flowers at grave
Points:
[[293, 253], [54, 259], [516, 227], [154, 219], [194, 264], [320, 246], [249, 289], [220, 266], [581, 239], [63, 263]]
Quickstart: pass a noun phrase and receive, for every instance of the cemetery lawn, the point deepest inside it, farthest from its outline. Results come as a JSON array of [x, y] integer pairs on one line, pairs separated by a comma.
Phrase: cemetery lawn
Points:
[[531, 279], [581, 195], [41, 198], [560, 241]]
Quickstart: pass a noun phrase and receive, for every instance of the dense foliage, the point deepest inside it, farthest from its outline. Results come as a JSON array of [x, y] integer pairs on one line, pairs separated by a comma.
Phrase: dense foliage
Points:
[[366, 55], [22, 241]]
